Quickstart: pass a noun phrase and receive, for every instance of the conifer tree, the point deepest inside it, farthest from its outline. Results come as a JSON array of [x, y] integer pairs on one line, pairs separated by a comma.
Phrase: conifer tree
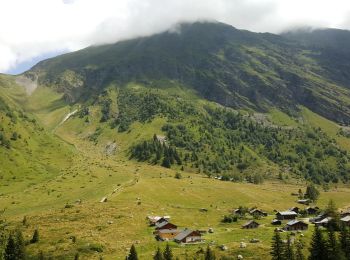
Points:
[[318, 250], [334, 250], [277, 248], [345, 241], [168, 254], [35, 237], [299, 255], [158, 255], [209, 254], [289, 250], [132, 254], [10, 250]]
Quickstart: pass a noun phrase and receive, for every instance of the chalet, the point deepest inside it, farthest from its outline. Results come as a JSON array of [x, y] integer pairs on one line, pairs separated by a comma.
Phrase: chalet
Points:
[[165, 225], [188, 236], [157, 219], [250, 225], [276, 222], [167, 234], [237, 211], [295, 225], [282, 215], [323, 222], [257, 213], [345, 221], [318, 218], [295, 209], [345, 213], [304, 201], [312, 210]]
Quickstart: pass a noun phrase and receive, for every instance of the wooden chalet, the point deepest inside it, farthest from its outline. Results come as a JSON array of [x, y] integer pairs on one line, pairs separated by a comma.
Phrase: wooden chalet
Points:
[[257, 213], [312, 210], [323, 222], [167, 234], [165, 225], [289, 215], [295, 209], [296, 225], [276, 222], [345, 221], [304, 201], [251, 224], [188, 236]]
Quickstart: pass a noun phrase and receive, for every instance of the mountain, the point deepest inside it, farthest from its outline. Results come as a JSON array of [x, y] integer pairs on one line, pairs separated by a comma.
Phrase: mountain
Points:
[[181, 123], [238, 69]]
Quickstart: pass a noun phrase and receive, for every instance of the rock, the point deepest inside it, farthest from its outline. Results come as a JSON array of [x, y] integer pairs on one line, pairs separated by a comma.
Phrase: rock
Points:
[[211, 230], [239, 257], [223, 247], [104, 199], [110, 222], [242, 245], [254, 240]]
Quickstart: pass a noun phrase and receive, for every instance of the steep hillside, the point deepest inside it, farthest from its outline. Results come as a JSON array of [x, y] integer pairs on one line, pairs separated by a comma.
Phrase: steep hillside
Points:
[[235, 68]]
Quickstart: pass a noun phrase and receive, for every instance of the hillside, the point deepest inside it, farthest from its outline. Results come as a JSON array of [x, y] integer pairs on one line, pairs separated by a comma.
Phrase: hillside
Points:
[[190, 123], [235, 68]]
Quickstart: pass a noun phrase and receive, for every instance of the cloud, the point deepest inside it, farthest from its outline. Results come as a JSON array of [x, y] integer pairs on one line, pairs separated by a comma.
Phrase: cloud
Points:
[[32, 28]]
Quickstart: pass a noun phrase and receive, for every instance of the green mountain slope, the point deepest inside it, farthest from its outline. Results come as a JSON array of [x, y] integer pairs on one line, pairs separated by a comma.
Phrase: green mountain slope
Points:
[[235, 68]]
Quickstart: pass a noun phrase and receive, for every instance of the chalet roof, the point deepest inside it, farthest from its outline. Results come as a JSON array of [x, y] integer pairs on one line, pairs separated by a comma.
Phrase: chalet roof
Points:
[[183, 234], [250, 222], [324, 221], [255, 210], [287, 213], [345, 219], [166, 231], [293, 222], [161, 224]]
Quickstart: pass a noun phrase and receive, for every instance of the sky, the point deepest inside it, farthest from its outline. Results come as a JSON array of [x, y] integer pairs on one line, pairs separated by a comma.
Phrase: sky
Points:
[[33, 30]]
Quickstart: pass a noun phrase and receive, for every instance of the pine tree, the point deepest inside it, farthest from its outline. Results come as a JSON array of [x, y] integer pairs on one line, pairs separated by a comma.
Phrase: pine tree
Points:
[[76, 257], [277, 247], [289, 250], [10, 250], [35, 237], [158, 255], [132, 254], [345, 241], [168, 254], [312, 193], [299, 255], [209, 254], [332, 212], [334, 251], [318, 250]]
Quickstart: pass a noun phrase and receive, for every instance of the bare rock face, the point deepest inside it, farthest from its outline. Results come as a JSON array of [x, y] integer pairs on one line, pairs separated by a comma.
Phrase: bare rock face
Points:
[[111, 148], [30, 84]]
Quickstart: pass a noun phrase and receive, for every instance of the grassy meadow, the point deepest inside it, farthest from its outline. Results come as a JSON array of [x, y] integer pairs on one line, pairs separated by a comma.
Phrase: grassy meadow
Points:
[[59, 184]]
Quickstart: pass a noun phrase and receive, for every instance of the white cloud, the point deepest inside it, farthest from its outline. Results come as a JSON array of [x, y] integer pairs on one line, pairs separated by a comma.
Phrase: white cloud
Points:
[[29, 28]]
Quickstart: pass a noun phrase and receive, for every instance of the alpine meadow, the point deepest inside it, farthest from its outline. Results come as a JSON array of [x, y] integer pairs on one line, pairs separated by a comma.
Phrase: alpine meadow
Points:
[[199, 142]]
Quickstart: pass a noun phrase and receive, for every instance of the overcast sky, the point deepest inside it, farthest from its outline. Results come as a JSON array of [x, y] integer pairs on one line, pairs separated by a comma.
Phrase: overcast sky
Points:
[[31, 30]]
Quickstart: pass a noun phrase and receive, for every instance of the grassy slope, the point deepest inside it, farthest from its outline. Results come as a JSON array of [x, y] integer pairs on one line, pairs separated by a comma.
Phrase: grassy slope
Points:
[[86, 173]]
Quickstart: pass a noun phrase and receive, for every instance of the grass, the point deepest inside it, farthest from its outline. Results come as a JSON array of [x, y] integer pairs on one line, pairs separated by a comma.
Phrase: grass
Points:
[[62, 167]]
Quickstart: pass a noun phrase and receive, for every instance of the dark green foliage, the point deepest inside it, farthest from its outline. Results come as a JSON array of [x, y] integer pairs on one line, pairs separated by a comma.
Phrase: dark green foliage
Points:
[[299, 255], [312, 192], [35, 237], [288, 253], [230, 218], [15, 248], [158, 255], [209, 254], [76, 257], [167, 254], [132, 254], [334, 249], [219, 141], [332, 212], [277, 248], [345, 241], [154, 151], [318, 247]]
